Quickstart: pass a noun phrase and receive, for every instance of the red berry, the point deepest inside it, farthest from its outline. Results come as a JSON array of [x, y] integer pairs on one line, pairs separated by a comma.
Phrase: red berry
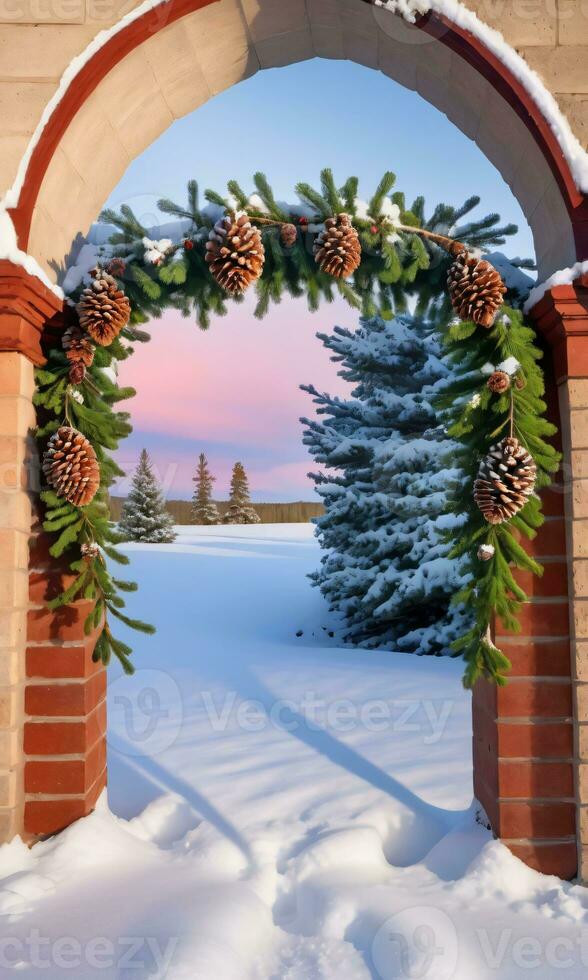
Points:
[[374, 229], [188, 244]]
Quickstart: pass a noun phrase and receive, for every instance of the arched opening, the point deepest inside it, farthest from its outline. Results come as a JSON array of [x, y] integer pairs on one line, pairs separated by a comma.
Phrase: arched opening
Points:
[[283, 772], [193, 51]]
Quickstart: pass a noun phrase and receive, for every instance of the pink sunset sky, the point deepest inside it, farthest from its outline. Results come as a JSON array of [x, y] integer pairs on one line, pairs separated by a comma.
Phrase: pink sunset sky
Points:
[[233, 393]]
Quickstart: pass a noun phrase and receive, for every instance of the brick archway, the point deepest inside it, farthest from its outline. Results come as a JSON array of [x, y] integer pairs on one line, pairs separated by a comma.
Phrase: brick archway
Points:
[[187, 50], [178, 54]]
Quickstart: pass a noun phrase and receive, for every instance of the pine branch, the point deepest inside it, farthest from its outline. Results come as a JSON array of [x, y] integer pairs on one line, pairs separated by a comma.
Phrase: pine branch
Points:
[[330, 192], [267, 196], [307, 194], [384, 187]]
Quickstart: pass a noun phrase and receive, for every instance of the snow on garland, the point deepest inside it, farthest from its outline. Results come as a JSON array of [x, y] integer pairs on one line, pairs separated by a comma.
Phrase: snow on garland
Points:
[[374, 253], [497, 494]]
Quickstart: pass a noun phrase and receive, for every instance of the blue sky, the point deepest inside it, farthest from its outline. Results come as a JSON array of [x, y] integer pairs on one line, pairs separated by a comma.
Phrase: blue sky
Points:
[[289, 123]]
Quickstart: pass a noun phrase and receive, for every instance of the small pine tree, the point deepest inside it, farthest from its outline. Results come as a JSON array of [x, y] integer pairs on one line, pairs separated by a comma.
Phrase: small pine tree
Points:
[[144, 516], [240, 510], [204, 510]]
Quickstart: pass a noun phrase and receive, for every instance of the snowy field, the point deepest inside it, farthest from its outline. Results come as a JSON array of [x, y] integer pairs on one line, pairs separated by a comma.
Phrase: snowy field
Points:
[[281, 807]]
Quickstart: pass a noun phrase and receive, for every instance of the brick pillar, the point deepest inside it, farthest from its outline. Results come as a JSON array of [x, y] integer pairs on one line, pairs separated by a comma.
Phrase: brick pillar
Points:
[[530, 744], [562, 318], [16, 416], [65, 704], [52, 709], [523, 732]]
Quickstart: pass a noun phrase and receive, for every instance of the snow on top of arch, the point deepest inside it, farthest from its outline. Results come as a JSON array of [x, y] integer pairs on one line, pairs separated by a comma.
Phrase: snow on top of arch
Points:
[[10, 199], [409, 9], [10, 251], [563, 277], [454, 10]]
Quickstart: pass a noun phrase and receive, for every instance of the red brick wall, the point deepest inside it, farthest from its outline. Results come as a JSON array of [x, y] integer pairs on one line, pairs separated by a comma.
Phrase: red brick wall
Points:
[[65, 706], [523, 733]]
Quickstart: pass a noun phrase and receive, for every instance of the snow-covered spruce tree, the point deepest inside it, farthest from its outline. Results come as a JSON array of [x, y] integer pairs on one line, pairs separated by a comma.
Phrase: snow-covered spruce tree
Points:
[[204, 509], [384, 487], [144, 517], [240, 510]]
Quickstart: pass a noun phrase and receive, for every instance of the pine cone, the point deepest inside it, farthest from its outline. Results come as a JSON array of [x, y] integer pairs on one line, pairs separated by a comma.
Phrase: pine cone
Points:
[[476, 289], [116, 267], [288, 235], [77, 372], [498, 382], [235, 253], [103, 309], [337, 250], [505, 481], [71, 467], [77, 345]]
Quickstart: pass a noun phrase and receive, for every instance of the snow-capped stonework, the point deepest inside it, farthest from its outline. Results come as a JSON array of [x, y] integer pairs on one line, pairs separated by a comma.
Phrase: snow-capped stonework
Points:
[[10, 251], [409, 10], [494, 41], [563, 277]]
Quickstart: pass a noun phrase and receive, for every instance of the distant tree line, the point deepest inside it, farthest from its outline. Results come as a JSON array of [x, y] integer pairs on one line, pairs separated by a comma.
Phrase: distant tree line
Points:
[[145, 517], [273, 512]]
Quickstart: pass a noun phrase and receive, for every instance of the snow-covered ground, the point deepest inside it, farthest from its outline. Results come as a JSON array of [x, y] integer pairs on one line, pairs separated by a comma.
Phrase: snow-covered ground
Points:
[[286, 808]]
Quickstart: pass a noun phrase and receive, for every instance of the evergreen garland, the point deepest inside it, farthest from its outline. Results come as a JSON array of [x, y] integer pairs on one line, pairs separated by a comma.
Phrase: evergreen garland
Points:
[[395, 265], [84, 535], [477, 418], [398, 266]]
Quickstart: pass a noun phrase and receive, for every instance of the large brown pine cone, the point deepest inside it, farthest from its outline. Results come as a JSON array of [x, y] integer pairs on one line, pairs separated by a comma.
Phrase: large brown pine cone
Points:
[[337, 250], [506, 480], [103, 309], [77, 345], [71, 467], [476, 289], [235, 252]]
